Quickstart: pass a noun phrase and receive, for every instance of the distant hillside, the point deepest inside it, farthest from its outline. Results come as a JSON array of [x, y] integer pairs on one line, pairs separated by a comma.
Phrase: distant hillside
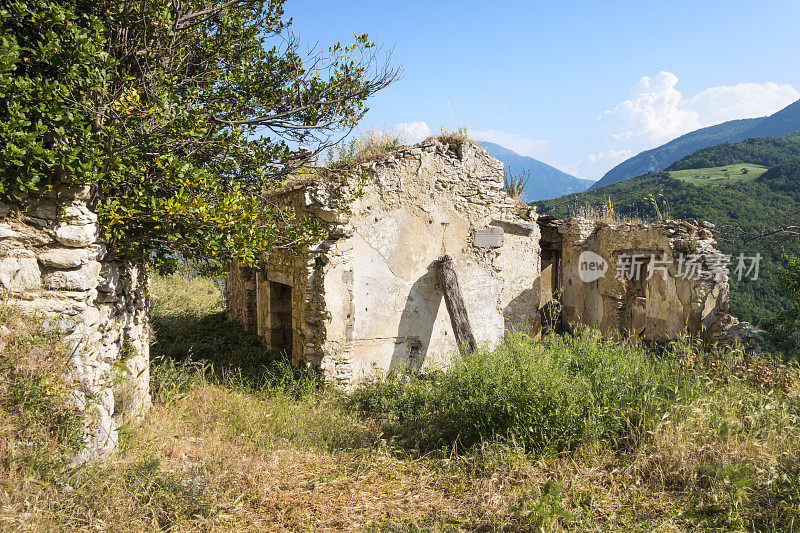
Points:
[[784, 121], [764, 151], [740, 196], [544, 182]]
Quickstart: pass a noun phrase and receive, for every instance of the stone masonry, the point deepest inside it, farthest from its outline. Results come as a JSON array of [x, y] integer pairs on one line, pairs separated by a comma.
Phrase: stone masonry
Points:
[[367, 298], [55, 266], [680, 283]]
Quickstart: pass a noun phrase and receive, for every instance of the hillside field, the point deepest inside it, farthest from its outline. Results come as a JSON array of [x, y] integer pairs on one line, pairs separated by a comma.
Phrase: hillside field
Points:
[[719, 175]]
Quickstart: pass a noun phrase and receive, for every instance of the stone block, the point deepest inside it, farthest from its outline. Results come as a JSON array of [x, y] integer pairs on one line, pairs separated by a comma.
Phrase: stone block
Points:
[[49, 306], [491, 237], [79, 214], [6, 232], [109, 278], [64, 257], [81, 279], [77, 235], [15, 234], [19, 271], [60, 325], [515, 227]]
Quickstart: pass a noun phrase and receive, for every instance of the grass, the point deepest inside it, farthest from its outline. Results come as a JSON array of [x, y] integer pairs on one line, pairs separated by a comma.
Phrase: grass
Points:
[[515, 185], [364, 148], [574, 433], [453, 138], [603, 214], [719, 175]]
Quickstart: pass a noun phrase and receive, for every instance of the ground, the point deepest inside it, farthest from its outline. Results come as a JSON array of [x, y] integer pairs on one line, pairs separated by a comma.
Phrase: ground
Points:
[[577, 434]]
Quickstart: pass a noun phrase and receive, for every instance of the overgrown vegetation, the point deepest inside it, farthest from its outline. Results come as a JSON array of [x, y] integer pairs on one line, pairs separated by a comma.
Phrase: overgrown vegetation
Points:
[[365, 148], [515, 185], [38, 429], [455, 137], [783, 327], [180, 114], [572, 433]]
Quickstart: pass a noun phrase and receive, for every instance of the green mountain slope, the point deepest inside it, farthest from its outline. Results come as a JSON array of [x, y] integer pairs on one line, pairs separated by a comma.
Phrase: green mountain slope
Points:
[[762, 151], [544, 180], [785, 121], [741, 205]]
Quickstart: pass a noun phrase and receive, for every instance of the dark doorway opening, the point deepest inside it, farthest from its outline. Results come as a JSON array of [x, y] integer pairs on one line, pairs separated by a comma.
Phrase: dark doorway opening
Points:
[[551, 245], [279, 320]]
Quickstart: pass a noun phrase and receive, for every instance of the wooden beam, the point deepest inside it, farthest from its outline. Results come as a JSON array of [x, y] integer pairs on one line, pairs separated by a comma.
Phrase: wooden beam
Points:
[[455, 305]]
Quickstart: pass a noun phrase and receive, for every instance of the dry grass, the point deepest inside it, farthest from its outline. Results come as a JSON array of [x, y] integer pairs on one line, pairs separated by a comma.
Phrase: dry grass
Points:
[[453, 138], [604, 214], [370, 146], [266, 449]]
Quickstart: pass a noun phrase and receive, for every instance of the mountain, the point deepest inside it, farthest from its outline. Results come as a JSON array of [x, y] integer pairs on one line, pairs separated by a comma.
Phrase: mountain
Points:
[[746, 189], [785, 121], [543, 182], [764, 151]]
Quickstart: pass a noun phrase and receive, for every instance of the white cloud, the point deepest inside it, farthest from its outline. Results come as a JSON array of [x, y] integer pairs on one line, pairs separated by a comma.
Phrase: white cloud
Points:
[[413, 132], [611, 156], [536, 148], [657, 112], [745, 100]]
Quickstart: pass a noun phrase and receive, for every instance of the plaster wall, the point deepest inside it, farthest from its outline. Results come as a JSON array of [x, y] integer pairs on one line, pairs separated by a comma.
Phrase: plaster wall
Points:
[[372, 297]]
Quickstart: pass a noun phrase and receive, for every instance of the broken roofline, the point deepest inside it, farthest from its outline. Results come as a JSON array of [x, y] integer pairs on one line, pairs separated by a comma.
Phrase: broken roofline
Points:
[[343, 175]]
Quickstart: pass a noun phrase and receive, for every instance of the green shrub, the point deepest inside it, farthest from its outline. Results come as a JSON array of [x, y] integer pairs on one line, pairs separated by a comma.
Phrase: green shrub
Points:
[[548, 397]]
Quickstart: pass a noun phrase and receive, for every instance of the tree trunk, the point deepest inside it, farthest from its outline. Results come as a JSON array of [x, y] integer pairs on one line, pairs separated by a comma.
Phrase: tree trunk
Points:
[[455, 305]]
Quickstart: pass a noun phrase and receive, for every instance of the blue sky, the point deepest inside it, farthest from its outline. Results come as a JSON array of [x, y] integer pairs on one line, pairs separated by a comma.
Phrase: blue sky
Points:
[[581, 85]]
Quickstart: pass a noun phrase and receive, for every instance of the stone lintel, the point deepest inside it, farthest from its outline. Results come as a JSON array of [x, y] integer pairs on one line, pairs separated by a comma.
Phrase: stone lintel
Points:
[[515, 228]]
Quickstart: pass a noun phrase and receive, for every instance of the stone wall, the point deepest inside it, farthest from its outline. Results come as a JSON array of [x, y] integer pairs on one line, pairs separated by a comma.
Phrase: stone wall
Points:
[[54, 265], [368, 296], [658, 305]]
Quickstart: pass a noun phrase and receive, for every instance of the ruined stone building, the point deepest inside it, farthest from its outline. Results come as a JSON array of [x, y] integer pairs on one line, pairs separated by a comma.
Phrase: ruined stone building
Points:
[[369, 296]]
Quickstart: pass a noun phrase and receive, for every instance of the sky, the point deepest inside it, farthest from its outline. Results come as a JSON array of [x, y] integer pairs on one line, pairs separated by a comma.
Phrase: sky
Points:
[[580, 85]]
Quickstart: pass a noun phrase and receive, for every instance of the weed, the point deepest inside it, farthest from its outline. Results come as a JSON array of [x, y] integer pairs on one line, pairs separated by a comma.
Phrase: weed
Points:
[[365, 148], [515, 185], [453, 138]]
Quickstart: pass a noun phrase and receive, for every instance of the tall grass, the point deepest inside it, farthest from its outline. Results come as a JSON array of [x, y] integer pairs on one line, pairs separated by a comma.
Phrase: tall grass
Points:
[[549, 398], [515, 185], [364, 148]]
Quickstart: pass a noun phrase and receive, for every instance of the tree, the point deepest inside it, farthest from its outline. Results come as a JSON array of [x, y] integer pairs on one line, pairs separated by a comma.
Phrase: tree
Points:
[[181, 114], [783, 326]]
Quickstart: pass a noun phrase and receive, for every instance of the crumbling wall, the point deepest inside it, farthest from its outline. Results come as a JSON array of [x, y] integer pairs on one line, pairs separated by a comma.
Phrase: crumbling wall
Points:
[[679, 283], [368, 297], [429, 201], [54, 265]]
